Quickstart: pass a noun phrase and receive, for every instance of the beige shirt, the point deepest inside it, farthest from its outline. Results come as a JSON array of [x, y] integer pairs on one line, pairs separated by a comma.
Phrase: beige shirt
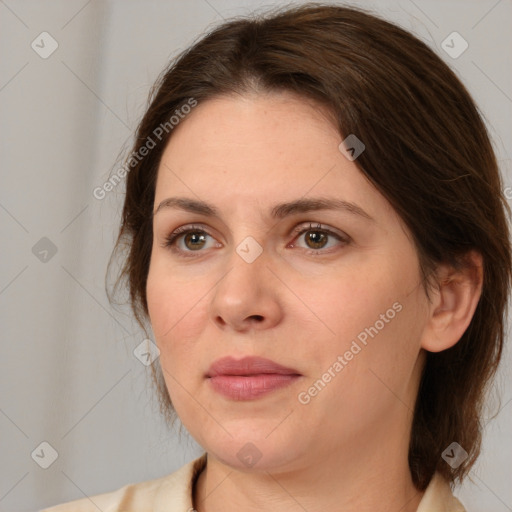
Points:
[[173, 493]]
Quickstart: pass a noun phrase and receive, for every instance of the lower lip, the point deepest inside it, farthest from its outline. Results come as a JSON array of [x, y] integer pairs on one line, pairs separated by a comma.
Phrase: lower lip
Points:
[[250, 387]]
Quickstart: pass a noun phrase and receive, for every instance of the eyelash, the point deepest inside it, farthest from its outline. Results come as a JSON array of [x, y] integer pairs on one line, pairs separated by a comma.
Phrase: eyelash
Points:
[[170, 240]]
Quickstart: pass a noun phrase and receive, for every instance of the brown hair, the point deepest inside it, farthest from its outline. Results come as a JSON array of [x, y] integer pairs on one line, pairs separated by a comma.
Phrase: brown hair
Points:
[[427, 152]]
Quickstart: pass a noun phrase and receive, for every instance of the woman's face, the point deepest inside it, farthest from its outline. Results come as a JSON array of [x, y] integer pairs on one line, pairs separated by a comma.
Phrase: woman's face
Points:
[[332, 294]]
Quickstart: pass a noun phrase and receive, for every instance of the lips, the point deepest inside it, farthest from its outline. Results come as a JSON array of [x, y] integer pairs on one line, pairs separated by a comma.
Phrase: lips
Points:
[[248, 366], [249, 378]]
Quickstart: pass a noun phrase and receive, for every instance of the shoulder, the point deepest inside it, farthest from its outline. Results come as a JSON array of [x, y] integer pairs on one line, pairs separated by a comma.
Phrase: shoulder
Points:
[[169, 493], [438, 497]]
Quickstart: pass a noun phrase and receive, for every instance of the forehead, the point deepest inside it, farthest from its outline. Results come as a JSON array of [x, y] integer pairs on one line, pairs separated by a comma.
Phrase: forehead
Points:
[[258, 125], [259, 149]]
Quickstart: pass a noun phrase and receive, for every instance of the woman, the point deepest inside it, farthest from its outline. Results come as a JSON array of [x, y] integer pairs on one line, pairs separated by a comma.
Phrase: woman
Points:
[[318, 238]]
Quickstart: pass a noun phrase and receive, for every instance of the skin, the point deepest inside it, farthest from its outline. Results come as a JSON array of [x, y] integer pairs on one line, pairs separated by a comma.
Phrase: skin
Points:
[[297, 304]]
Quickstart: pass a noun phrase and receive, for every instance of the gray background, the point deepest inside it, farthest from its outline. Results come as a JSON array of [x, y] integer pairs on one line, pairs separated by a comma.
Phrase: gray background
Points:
[[68, 374]]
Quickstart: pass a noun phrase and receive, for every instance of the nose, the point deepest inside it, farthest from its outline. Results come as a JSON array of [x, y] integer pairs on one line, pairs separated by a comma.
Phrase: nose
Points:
[[247, 297]]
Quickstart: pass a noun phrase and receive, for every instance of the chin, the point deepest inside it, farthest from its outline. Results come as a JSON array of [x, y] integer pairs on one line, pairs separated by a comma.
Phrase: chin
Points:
[[253, 451]]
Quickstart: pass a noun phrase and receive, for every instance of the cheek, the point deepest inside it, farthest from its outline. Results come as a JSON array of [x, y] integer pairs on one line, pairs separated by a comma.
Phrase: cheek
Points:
[[349, 302], [378, 354], [176, 310], [374, 315], [177, 318]]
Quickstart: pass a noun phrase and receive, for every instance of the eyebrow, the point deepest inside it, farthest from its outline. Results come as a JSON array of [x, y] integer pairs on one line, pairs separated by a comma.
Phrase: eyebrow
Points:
[[279, 211]]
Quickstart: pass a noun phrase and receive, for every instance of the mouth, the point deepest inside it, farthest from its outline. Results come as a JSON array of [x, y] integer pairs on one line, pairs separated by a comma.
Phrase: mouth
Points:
[[249, 378]]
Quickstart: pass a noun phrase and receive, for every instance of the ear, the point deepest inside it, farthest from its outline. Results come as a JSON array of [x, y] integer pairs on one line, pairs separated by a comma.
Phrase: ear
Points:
[[453, 303]]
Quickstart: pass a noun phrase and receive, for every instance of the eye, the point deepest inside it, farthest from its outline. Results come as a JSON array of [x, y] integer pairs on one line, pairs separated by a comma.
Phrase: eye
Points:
[[188, 239], [317, 237]]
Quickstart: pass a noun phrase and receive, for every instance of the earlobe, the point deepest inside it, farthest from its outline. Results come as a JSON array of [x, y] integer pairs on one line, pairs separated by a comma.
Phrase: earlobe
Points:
[[454, 303]]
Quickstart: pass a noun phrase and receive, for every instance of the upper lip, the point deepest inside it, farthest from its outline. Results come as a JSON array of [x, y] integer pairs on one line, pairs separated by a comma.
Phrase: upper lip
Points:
[[249, 365]]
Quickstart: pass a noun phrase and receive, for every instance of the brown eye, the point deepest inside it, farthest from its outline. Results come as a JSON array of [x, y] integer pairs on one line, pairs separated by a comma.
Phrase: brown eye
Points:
[[194, 240], [189, 239], [316, 239]]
